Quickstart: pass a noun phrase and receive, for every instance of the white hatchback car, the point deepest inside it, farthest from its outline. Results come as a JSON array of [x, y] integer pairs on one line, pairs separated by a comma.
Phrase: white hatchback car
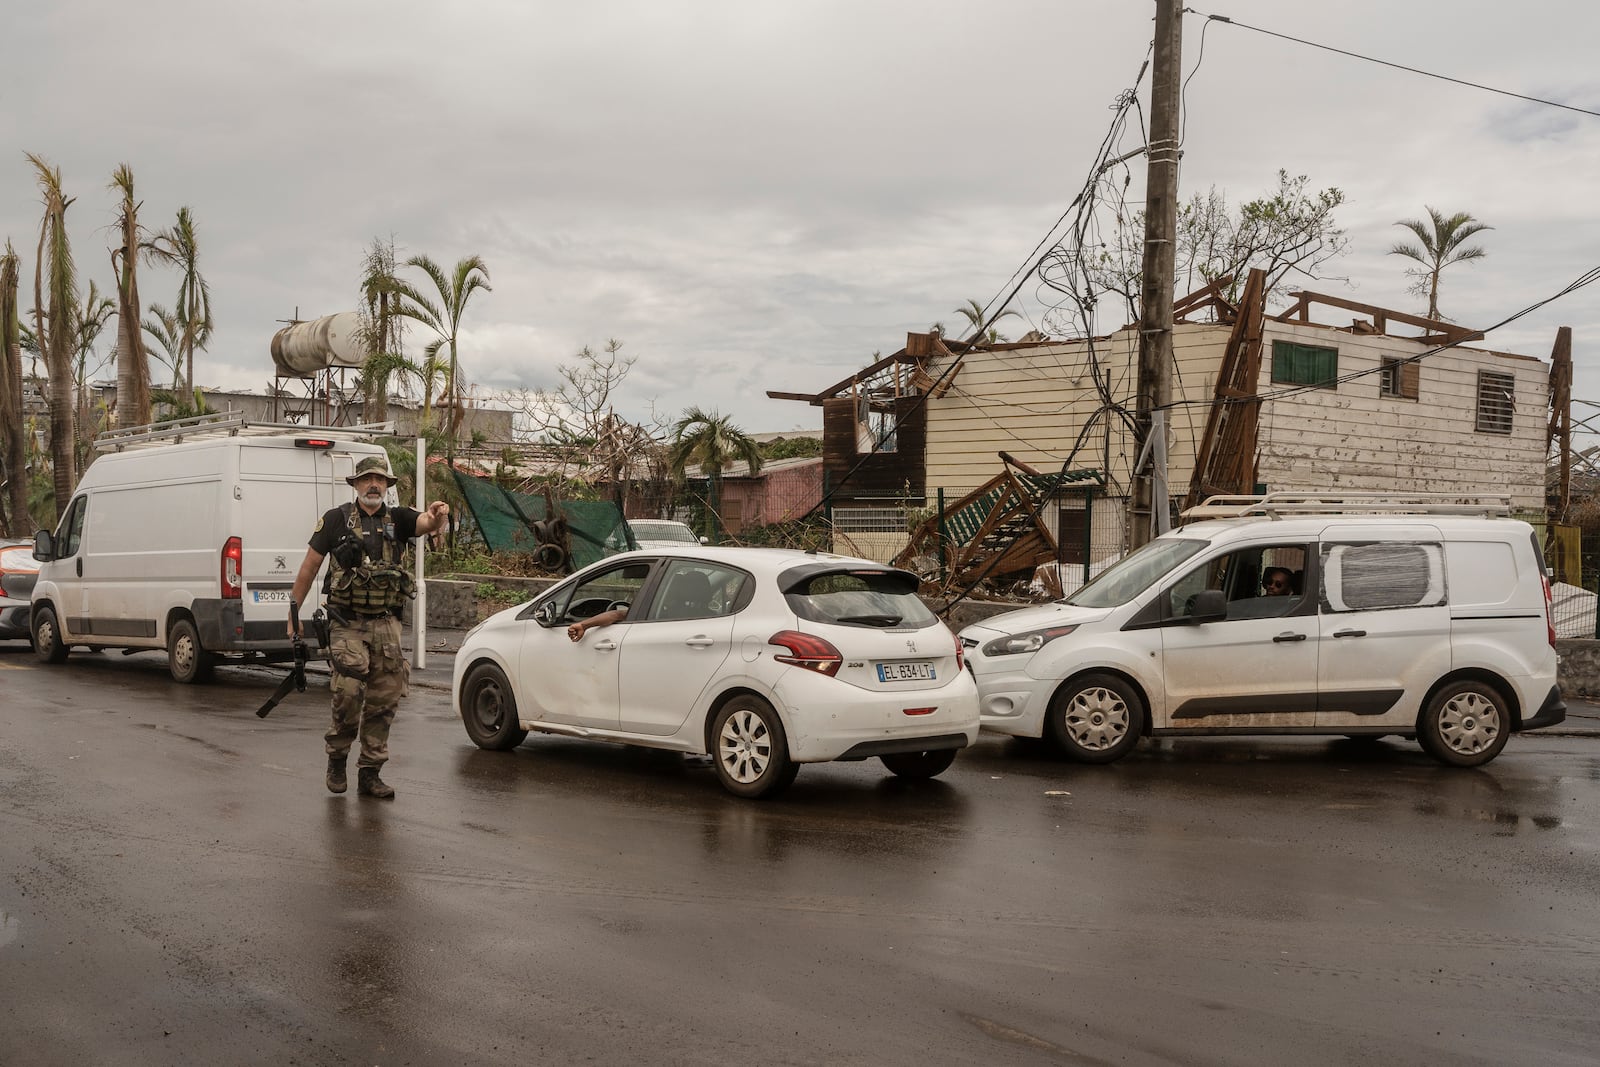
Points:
[[764, 658]]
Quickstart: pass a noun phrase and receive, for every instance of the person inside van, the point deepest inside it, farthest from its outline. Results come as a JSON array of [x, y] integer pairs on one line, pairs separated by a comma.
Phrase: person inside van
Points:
[[1277, 581]]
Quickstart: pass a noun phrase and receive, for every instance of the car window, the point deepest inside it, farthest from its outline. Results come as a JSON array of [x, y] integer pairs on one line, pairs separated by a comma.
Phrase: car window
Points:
[[883, 599], [694, 589], [1135, 573], [616, 587], [1382, 575], [1258, 582], [664, 531], [70, 533]]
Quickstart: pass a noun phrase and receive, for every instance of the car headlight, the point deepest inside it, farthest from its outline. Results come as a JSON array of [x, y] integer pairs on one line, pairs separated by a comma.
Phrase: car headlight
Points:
[[1027, 641]]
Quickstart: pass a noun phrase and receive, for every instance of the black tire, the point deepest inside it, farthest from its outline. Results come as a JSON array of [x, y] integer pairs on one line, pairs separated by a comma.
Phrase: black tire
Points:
[[1096, 718], [1466, 724], [187, 658], [920, 764], [47, 636], [750, 750], [489, 709]]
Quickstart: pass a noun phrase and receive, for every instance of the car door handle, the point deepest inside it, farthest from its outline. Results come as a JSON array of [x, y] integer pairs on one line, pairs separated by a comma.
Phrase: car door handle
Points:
[[699, 642], [1282, 638], [605, 644], [1350, 633]]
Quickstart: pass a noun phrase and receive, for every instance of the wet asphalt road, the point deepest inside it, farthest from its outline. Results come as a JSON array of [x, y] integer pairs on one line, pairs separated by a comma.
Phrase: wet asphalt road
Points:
[[176, 887]]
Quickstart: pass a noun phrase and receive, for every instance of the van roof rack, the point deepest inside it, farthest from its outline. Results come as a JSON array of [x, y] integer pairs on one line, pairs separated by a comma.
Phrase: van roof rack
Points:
[[226, 424], [1282, 504]]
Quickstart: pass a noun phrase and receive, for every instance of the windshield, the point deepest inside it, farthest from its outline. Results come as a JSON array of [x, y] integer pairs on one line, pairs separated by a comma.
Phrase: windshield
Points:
[[1134, 573], [662, 531], [881, 599]]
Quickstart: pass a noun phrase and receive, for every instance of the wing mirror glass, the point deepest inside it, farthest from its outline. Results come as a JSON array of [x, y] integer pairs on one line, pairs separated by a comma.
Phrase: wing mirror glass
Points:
[[44, 549], [546, 614]]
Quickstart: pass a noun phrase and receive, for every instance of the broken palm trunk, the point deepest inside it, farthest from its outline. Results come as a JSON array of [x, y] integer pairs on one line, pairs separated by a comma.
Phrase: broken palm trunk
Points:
[[994, 533]]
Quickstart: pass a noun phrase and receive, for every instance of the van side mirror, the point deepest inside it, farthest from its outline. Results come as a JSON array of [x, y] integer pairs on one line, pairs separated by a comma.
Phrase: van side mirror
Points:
[[44, 549], [1210, 605]]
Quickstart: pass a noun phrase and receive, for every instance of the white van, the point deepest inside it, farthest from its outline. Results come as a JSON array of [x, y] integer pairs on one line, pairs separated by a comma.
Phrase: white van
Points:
[[187, 536], [1361, 615]]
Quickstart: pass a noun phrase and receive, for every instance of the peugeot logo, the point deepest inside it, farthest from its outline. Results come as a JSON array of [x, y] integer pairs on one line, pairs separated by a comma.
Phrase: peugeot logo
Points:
[[911, 646], [279, 563]]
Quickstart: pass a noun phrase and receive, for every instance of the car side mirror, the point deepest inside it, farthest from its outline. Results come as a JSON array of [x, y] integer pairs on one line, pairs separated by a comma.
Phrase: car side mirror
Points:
[[1210, 605], [44, 549], [705, 540], [545, 615]]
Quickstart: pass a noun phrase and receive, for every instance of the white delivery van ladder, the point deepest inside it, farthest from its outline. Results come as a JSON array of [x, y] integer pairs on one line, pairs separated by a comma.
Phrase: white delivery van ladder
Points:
[[228, 424], [1278, 505]]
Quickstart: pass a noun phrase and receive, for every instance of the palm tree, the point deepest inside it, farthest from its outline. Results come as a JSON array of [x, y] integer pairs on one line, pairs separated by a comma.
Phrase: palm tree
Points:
[[89, 323], [712, 442], [384, 327], [55, 277], [167, 332], [133, 365], [1436, 249], [972, 311], [13, 445], [178, 247], [444, 319]]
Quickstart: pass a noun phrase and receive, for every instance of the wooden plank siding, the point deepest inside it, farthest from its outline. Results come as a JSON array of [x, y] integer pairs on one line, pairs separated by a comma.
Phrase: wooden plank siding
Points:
[[1033, 403], [884, 475]]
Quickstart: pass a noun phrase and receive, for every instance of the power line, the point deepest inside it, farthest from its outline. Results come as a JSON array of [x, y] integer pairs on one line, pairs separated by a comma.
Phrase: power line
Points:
[[1387, 63]]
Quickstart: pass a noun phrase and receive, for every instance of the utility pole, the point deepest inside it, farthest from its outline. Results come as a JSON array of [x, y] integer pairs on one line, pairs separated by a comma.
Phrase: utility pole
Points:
[[1150, 492]]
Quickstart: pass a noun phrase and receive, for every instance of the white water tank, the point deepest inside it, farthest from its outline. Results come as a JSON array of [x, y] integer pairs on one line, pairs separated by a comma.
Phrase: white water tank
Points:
[[306, 348]]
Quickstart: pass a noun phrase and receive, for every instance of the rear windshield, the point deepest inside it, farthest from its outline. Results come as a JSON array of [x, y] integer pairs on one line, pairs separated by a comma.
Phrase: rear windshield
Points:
[[666, 531], [1135, 573], [882, 599]]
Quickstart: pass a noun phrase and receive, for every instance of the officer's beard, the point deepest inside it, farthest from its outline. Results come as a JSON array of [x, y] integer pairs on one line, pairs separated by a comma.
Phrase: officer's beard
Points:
[[373, 498]]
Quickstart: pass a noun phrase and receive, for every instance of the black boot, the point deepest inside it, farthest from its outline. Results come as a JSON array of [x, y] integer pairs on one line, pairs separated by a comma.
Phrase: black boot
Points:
[[337, 783], [368, 784]]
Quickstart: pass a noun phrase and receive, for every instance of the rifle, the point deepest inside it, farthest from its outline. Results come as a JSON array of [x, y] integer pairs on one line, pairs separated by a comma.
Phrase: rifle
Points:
[[296, 678]]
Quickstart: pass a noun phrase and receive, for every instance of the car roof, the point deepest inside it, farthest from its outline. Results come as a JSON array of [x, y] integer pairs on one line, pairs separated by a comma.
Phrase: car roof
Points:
[[770, 561]]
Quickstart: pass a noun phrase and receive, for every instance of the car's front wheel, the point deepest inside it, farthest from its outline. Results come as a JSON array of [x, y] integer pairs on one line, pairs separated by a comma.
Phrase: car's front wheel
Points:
[[750, 750], [47, 636], [919, 764], [489, 709], [1096, 719], [1466, 724]]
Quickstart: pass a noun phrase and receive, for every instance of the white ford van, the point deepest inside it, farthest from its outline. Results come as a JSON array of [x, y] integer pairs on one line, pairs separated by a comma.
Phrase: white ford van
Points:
[[1362, 615], [187, 536]]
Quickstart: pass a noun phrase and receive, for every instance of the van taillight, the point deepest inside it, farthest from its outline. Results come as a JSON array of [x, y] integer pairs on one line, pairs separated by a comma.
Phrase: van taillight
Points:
[[232, 569], [1549, 609], [812, 653]]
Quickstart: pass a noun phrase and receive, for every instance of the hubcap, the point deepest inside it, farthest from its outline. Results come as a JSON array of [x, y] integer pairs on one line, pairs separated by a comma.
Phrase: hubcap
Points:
[[1097, 719], [1468, 723], [183, 653], [744, 747]]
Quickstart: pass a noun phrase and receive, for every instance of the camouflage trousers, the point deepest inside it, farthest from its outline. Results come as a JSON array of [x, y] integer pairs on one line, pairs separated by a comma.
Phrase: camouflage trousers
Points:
[[370, 675]]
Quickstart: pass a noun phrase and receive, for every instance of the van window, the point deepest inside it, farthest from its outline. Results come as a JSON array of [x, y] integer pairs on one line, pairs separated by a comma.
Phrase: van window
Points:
[[1259, 582], [1135, 572], [1485, 572], [70, 533], [1382, 575]]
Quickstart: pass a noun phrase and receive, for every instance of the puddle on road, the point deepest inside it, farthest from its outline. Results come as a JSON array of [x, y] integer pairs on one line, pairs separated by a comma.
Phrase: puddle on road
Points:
[[10, 927]]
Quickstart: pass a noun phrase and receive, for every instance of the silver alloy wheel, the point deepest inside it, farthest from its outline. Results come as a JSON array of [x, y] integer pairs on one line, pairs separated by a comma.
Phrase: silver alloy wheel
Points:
[[1096, 718], [744, 747], [1469, 723]]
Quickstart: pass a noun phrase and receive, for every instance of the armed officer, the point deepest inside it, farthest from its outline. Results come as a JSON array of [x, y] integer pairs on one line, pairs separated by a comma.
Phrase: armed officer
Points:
[[365, 588]]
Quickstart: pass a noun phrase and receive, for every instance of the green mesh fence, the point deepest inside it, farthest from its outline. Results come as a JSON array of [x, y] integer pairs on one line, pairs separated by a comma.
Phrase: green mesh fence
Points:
[[507, 521]]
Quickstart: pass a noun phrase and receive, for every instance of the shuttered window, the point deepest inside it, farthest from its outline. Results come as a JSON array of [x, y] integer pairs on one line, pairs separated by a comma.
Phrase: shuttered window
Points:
[[1497, 401], [1294, 364], [1398, 378]]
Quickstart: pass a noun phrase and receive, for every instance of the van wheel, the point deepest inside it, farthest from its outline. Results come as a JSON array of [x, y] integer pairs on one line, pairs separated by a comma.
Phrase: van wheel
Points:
[[1466, 724], [489, 710], [47, 636], [750, 750], [919, 764], [186, 658], [1095, 719]]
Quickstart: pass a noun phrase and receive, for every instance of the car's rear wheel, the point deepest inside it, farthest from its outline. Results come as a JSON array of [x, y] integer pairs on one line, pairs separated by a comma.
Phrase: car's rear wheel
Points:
[[47, 636], [187, 659], [1466, 724], [750, 749], [1095, 719], [920, 764], [489, 709]]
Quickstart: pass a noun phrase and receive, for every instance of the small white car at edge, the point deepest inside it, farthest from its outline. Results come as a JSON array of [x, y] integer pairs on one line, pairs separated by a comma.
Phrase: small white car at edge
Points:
[[763, 658]]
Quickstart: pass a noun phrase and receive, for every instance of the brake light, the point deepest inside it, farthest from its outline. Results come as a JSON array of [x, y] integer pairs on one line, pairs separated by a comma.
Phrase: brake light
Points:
[[232, 569], [1549, 609], [805, 650], [313, 442]]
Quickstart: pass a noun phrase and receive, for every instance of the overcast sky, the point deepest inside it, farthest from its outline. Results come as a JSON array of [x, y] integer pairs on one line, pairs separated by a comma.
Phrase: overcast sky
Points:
[[759, 195]]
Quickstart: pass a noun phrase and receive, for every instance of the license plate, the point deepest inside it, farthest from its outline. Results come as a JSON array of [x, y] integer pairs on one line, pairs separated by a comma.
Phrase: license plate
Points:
[[270, 596], [905, 672]]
